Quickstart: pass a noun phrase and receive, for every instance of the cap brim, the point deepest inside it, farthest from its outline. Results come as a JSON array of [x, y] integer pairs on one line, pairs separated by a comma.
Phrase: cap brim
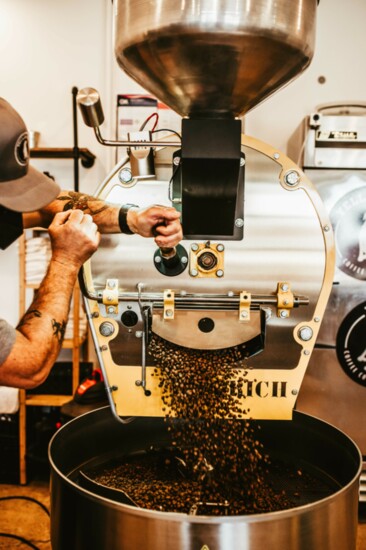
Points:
[[29, 193]]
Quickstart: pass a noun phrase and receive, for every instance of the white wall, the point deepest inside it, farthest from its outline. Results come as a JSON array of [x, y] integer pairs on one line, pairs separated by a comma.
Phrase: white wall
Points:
[[340, 56], [46, 47]]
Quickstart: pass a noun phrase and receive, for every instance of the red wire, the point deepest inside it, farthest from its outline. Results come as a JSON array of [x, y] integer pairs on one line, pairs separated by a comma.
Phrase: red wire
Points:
[[149, 118]]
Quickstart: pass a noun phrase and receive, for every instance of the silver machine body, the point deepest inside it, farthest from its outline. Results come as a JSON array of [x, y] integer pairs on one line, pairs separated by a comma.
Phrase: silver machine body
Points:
[[333, 144], [261, 281]]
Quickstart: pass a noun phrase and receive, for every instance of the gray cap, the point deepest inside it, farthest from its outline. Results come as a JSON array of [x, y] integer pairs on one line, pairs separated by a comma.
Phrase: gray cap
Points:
[[22, 188]]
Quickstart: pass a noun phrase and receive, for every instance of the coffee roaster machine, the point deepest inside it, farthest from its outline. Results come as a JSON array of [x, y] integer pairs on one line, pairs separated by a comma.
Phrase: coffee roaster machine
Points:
[[255, 269]]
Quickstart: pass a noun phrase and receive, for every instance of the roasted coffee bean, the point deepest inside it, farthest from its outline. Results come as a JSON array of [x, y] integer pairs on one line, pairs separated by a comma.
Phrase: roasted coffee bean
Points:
[[216, 455]]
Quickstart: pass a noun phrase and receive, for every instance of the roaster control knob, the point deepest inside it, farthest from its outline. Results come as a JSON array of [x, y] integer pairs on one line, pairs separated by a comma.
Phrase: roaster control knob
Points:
[[106, 328], [207, 260]]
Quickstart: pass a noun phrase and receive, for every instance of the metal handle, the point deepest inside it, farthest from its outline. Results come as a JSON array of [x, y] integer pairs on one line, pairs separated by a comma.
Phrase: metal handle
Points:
[[90, 106]]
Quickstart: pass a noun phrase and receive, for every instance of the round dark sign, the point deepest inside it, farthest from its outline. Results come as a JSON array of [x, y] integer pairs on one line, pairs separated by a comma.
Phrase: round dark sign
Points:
[[348, 217], [351, 344]]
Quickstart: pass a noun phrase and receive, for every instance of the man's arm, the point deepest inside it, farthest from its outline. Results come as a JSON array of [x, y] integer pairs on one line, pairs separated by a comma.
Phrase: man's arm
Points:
[[156, 221], [39, 335]]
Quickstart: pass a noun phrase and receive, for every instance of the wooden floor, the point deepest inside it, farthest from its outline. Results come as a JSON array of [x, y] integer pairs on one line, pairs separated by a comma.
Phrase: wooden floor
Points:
[[29, 520]]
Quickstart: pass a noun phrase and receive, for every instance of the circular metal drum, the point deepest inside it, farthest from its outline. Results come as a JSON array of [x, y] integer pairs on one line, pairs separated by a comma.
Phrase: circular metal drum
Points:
[[84, 520]]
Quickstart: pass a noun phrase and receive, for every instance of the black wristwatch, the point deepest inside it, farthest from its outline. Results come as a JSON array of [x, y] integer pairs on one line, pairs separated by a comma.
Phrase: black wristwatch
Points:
[[122, 218]]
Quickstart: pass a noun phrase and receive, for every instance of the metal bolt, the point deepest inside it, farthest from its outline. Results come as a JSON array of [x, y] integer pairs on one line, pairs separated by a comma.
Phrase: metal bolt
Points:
[[284, 314], [110, 309], [138, 334], [244, 314], [194, 247], [326, 228], [220, 248], [95, 315], [294, 392], [276, 156], [110, 298], [169, 313], [292, 177], [176, 161], [125, 175], [284, 287], [306, 352], [219, 273], [138, 383], [239, 222], [242, 162], [184, 259], [106, 328], [268, 312], [103, 348], [194, 272], [305, 333], [230, 293], [317, 319], [157, 259], [183, 292]]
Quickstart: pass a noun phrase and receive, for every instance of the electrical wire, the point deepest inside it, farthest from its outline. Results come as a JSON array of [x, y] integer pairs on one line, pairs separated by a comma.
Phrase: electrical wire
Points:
[[18, 537], [22, 539], [44, 508], [167, 130], [142, 127]]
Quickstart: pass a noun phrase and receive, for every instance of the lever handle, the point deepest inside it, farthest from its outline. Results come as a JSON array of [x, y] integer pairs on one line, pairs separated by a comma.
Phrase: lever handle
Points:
[[90, 106]]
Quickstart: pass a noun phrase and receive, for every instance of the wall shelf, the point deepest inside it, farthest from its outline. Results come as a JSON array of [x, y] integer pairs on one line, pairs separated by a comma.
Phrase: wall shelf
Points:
[[86, 157]]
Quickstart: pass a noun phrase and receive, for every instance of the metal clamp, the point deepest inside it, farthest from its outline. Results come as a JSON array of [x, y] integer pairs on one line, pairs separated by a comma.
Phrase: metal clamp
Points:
[[285, 299], [244, 306], [169, 307], [110, 296]]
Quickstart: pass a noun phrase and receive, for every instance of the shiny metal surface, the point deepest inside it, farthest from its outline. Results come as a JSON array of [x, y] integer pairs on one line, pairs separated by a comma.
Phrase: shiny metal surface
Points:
[[286, 238], [82, 520], [214, 58]]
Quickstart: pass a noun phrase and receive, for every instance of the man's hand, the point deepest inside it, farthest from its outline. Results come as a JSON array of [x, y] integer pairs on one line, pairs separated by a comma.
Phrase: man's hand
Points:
[[161, 222], [74, 238]]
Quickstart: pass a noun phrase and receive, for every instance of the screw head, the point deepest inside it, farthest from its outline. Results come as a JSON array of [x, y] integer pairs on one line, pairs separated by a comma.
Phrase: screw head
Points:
[[220, 248], [106, 328], [194, 272], [125, 175], [284, 314], [176, 161], [219, 273], [194, 247], [292, 177], [239, 222], [305, 334]]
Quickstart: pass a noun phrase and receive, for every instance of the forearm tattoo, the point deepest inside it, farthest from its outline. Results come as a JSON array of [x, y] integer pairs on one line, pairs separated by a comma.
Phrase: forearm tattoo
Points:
[[30, 314], [59, 329], [82, 202]]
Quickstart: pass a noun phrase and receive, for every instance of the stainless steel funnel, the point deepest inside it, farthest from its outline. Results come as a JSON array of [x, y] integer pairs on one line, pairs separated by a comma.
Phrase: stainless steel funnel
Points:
[[214, 58]]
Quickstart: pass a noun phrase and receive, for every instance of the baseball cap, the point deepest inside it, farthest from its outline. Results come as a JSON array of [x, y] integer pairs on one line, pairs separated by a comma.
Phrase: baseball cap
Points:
[[22, 187]]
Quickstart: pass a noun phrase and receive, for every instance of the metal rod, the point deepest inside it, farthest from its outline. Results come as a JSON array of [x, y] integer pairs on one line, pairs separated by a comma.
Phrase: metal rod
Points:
[[76, 152], [128, 143]]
